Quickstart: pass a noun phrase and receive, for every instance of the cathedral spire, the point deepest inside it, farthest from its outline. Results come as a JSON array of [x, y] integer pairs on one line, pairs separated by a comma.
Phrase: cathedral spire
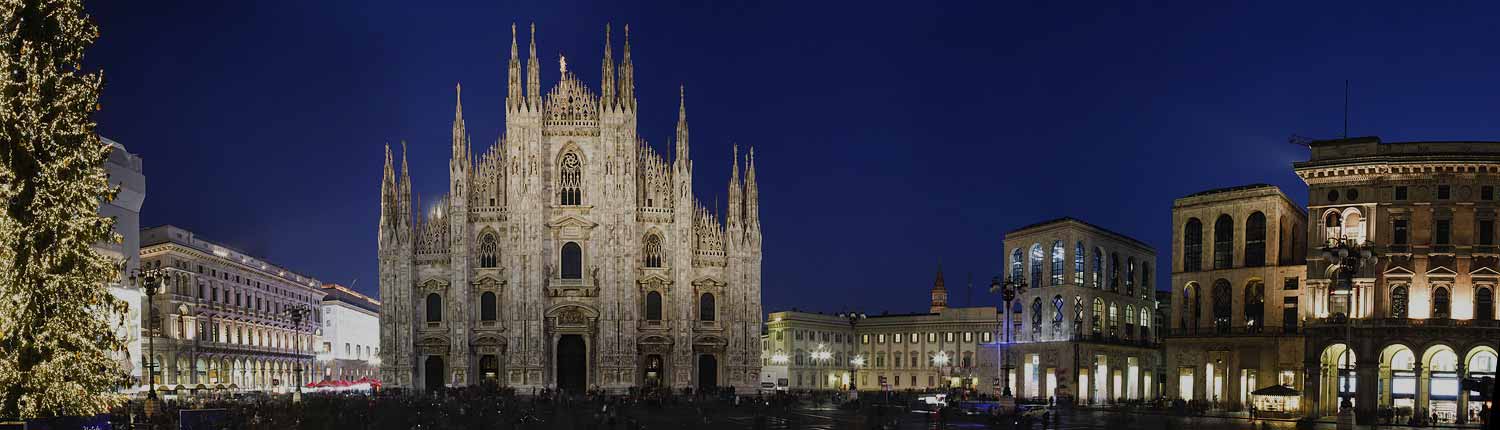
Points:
[[627, 75], [607, 73], [514, 96], [460, 162], [682, 124], [387, 188], [752, 193], [736, 190], [533, 75]]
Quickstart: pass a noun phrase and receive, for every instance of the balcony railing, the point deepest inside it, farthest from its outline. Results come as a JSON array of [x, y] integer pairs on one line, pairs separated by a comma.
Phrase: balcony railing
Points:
[[1404, 322], [1232, 331]]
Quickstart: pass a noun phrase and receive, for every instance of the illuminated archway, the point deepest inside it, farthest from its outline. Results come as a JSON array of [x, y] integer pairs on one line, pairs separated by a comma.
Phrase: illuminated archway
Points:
[[1338, 380]]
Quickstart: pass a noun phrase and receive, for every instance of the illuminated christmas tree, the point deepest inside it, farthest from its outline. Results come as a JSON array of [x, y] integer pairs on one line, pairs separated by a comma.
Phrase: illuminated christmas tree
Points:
[[55, 332]]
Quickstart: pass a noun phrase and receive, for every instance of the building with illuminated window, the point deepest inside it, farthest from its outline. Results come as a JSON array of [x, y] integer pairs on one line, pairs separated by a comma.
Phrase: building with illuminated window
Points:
[[944, 347], [222, 320], [349, 344], [1394, 340], [1083, 327], [1423, 315], [1237, 286]]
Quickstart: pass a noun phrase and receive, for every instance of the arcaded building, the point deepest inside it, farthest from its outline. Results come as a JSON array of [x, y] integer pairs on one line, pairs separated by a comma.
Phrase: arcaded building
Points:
[[222, 322], [1423, 315], [1237, 281], [942, 347], [1084, 325]]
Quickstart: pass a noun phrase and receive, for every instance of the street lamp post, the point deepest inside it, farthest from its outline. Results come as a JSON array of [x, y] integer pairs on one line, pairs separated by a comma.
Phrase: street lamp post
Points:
[[297, 313], [1345, 258], [857, 360], [1007, 290], [151, 282]]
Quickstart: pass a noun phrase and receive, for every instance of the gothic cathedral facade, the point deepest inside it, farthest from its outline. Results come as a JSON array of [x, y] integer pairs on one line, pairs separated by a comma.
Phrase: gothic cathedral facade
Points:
[[570, 254]]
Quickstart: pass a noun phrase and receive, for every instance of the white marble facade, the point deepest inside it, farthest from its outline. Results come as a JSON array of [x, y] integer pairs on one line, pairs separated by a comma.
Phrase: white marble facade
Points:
[[570, 253]]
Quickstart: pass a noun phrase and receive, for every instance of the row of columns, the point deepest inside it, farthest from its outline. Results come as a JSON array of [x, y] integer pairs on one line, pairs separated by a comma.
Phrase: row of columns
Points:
[[244, 372], [1373, 391]]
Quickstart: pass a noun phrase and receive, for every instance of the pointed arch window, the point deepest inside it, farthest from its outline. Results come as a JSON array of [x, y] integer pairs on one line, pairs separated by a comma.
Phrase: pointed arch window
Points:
[[434, 307], [1192, 246], [1255, 305], [653, 306], [1224, 242], [570, 180], [1222, 306], [652, 251], [489, 251], [1440, 303], [1036, 265], [706, 309], [1079, 256], [1058, 259], [572, 261], [1255, 240], [487, 306], [1399, 301], [1484, 304]]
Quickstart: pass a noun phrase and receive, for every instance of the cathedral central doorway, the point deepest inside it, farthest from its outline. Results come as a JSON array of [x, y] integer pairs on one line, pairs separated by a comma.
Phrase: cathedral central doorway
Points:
[[653, 372], [433, 373], [572, 367], [708, 372]]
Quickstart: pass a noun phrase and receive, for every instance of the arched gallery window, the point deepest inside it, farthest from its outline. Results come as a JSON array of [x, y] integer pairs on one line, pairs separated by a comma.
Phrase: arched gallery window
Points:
[[1224, 242], [487, 306], [1036, 265], [1255, 304], [1192, 246], [1222, 306], [1058, 257], [1130, 276], [1078, 267], [1098, 320], [653, 306], [434, 307], [570, 180], [1098, 278], [706, 307], [1057, 310], [489, 251], [1255, 240], [1017, 265], [1114, 271], [572, 261], [1036, 314]]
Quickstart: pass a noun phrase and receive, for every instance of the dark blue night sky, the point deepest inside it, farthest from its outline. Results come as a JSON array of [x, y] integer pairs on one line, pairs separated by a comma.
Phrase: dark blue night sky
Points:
[[889, 137]]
